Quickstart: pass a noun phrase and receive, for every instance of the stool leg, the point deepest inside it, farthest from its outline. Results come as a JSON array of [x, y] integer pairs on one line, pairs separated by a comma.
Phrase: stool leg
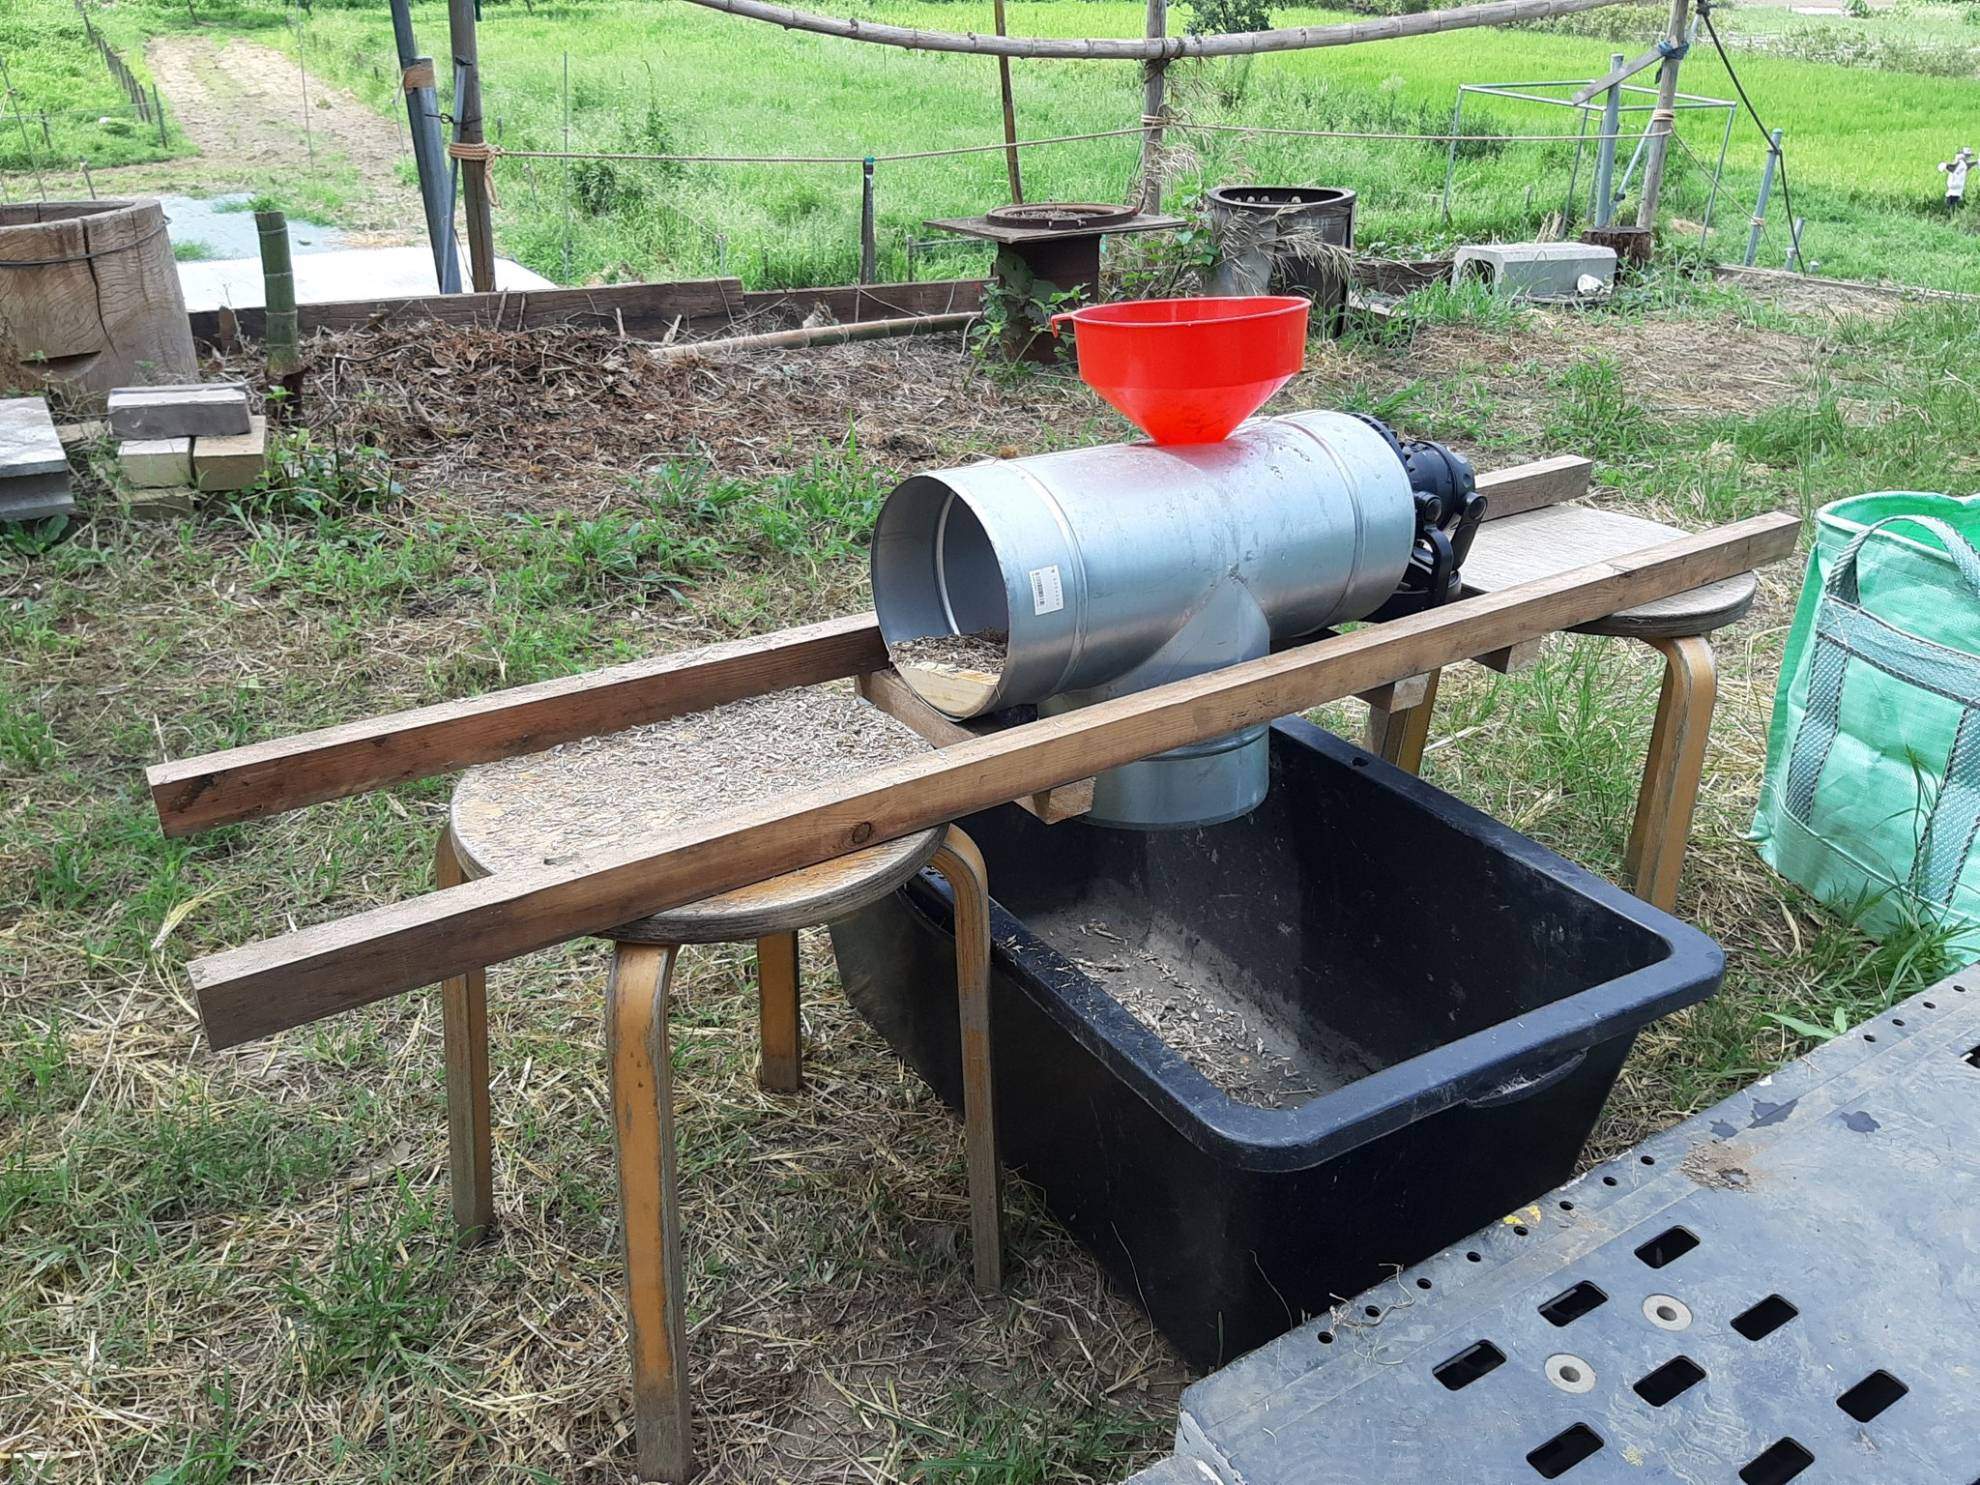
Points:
[[1399, 737], [780, 1068], [1657, 837], [649, 1213], [464, 1028], [961, 864]]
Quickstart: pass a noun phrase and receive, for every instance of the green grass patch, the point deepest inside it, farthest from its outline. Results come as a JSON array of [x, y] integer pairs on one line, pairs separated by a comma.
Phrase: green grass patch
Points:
[[64, 104]]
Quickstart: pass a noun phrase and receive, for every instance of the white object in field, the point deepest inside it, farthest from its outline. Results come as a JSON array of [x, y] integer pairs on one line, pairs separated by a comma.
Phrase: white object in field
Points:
[[1537, 270], [1956, 169], [333, 278]]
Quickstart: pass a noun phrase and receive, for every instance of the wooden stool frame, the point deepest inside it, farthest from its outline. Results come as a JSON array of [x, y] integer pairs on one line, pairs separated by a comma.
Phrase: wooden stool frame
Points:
[[638, 1056]]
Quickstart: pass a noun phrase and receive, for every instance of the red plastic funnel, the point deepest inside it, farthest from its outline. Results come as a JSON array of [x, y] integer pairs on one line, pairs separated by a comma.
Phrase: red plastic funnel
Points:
[[1189, 370]]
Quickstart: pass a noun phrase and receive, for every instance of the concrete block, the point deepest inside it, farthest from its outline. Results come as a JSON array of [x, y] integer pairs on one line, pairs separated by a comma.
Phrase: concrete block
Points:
[[28, 444], [179, 411], [156, 505], [1545, 271], [233, 462], [156, 463], [87, 431]]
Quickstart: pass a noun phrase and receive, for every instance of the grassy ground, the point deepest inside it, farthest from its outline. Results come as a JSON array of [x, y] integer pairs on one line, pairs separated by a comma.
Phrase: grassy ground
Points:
[[234, 1267], [63, 105], [1864, 144], [1865, 131]]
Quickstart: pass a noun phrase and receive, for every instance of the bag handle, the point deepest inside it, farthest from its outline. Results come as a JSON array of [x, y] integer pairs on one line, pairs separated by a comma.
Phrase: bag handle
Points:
[[1843, 580]]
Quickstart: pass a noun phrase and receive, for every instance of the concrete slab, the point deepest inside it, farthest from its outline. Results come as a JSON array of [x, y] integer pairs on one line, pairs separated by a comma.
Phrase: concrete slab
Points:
[[28, 442], [33, 497], [334, 277]]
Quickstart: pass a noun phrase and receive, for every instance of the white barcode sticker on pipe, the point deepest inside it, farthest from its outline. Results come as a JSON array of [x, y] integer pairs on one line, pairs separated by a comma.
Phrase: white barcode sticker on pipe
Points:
[[1048, 595]]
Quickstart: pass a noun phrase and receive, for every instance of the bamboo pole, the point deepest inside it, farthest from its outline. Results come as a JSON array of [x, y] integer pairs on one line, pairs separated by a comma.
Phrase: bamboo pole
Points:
[[1010, 116], [278, 280], [468, 133], [819, 335], [1664, 118], [1233, 44]]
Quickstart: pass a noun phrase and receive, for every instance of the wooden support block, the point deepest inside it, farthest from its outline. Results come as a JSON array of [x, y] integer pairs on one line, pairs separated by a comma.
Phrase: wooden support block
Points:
[[886, 690], [1404, 695], [184, 411], [1522, 656], [231, 461], [156, 463], [321, 970]]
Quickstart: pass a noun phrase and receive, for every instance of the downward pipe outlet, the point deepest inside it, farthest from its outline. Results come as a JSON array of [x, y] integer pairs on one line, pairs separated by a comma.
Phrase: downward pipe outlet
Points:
[[1105, 571]]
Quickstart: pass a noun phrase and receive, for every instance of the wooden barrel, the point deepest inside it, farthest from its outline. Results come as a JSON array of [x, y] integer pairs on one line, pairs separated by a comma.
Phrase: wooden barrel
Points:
[[89, 296]]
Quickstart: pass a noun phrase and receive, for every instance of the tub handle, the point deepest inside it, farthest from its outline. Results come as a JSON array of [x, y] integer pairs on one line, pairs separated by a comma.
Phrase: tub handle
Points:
[[1056, 321], [1517, 1085]]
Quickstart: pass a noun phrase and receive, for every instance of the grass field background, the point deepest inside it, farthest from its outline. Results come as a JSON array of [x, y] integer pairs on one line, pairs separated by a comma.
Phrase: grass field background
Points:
[[1863, 141]]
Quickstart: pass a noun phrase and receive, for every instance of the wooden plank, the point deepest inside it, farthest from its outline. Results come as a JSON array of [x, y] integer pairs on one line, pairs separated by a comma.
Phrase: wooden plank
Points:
[[266, 778], [1527, 487], [886, 690], [331, 967], [643, 311]]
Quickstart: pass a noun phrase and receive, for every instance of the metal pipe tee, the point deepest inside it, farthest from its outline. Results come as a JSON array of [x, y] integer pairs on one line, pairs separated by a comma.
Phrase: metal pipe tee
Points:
[[1105, 571]]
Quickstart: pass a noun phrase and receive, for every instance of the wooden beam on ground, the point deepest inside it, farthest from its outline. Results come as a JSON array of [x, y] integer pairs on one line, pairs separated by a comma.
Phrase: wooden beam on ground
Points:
[[1527, 487], [642, 311], [267, 778], [319, 971], [195, 794]]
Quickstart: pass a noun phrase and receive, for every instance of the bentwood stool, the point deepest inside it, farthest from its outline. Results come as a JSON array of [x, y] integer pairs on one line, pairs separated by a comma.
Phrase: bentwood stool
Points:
[[523, 811], [1554, 539]]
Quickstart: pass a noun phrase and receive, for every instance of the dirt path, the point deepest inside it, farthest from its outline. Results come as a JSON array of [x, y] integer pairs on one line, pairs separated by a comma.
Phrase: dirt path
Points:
[[242, 104]]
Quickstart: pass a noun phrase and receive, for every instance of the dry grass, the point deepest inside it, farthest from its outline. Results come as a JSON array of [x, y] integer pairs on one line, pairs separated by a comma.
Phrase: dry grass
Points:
[[228, 1267]]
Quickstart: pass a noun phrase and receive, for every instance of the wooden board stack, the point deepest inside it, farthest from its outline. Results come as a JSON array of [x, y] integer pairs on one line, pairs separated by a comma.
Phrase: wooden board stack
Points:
[[34, 468], [198, 436]]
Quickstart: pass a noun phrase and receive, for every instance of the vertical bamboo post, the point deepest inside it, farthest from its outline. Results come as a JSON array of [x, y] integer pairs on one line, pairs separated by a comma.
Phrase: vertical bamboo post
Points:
[[868, 245], [1154, 73], [1010, 117], [468, 133], [1664, 117], [158, 108], [278, 280], [1766, 191]]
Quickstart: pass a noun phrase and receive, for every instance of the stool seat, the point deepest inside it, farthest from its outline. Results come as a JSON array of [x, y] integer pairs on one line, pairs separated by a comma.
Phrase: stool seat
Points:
[[544, 808], [1540, 543]]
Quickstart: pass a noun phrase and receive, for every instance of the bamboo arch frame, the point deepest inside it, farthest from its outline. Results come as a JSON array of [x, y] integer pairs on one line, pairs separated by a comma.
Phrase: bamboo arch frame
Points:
[[1158, 49]]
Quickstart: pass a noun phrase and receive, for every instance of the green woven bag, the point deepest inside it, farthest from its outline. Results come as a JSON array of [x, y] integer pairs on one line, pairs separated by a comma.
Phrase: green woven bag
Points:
[[1872, 795]]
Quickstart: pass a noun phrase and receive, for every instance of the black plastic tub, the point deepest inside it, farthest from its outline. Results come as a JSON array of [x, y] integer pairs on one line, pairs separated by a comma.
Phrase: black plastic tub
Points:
[[1453, 1000]]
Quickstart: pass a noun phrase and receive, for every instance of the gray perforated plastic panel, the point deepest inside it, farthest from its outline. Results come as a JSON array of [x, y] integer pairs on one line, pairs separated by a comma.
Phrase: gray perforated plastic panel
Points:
[[1786, 1287]]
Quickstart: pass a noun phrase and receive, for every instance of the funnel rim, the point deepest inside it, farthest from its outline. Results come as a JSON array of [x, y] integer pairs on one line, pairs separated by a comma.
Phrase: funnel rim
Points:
[[1270, 306]]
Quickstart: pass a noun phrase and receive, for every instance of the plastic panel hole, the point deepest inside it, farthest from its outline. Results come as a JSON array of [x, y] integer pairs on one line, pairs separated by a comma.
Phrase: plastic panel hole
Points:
[[1473, 1362], [1422, 1283], [1930, 1005], [1325, 1338], [1871, 1396], [1670, 1380], [1781, 1461], [1373, 1312], [1565, 1450], [1764, 1318], [1608, 1180], [1520, 1230], [1668, 1246], [1567, 1206], [1647, 1159], [1480, 1257], [1868, 1038], [1895, 1021], [1571, 1304]]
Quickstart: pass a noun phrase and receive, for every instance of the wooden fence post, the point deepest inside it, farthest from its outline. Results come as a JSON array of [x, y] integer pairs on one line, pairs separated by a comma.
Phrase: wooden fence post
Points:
[[468, 134], [1664, 118], [1010, 118], [1154, 75]]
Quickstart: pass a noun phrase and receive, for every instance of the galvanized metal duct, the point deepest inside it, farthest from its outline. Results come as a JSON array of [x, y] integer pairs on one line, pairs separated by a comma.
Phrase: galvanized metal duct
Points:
[[1109, 570]]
